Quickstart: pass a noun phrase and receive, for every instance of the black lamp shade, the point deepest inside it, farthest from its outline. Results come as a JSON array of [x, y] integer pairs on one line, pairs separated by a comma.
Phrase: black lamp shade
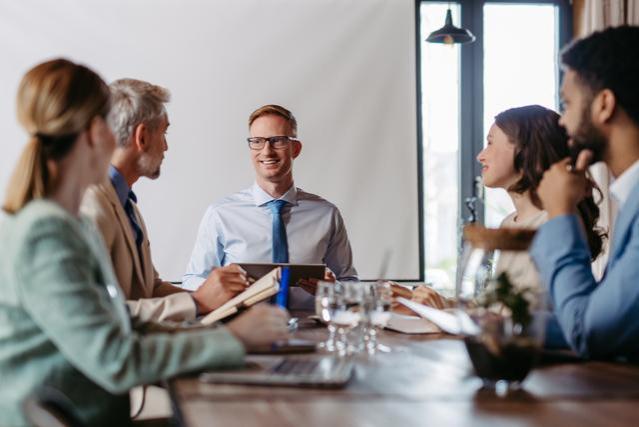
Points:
[[449, 34]]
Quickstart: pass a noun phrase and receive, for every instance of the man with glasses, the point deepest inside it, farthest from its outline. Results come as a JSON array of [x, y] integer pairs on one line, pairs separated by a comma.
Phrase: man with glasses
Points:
[[272, 221]]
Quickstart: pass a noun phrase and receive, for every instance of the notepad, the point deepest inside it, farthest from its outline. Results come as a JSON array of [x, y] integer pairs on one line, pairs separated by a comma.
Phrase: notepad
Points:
[[411, 324], [453, 321], [264, 288]]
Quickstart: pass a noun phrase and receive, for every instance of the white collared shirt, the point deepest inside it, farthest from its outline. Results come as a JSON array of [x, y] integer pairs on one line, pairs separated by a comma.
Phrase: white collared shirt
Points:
[[621, 188], [238, 228]]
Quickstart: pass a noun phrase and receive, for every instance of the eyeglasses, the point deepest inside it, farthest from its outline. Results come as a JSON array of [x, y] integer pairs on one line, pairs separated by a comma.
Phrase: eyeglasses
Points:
[[277, 142]]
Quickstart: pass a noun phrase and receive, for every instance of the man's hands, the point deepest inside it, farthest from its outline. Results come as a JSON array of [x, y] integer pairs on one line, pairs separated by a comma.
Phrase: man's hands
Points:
[[563, 186], [310, 285], [261, 325], [222, 284]]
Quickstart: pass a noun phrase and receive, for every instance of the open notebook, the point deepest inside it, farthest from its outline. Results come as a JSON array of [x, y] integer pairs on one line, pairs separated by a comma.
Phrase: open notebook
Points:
[[411, 324], [264, 288]]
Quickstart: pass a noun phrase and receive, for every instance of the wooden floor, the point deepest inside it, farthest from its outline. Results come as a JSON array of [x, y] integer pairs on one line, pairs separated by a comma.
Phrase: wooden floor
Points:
[[426, 380]]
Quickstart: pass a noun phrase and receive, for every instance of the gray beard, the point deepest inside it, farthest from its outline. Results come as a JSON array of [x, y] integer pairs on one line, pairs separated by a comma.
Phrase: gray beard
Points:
[[147, 168]]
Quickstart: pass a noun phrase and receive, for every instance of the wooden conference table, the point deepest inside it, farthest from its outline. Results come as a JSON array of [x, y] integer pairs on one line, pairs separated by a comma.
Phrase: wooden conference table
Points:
[[425, 380]]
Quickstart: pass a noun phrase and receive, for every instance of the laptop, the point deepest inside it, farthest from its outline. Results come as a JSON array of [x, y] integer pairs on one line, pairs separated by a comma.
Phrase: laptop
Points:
[[320, 371]]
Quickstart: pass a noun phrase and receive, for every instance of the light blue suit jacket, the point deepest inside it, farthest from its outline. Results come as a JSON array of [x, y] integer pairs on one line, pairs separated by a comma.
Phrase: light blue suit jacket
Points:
[[598, 319], [64, 324]]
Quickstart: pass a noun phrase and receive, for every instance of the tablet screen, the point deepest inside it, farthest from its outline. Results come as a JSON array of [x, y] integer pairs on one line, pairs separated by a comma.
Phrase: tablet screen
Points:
[[297, 271]]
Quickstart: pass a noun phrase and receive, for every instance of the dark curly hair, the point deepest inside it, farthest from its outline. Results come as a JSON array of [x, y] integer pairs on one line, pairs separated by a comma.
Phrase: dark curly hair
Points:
[[608, 59], [539, 142]]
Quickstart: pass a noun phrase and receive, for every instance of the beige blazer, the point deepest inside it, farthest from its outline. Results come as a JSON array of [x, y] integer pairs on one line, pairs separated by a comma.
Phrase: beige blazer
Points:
[[149, 298]]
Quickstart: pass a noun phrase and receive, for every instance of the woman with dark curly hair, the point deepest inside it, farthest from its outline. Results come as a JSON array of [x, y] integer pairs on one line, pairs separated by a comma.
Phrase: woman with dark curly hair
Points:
[[538, 141], [521, 145]]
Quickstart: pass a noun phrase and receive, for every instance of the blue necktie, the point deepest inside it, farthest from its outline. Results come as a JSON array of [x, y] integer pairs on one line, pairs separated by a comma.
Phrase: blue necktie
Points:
[[130, 212], [280, 244]]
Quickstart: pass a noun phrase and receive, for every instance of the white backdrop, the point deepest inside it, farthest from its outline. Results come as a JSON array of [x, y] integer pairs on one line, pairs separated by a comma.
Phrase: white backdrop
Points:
[[346, 68]]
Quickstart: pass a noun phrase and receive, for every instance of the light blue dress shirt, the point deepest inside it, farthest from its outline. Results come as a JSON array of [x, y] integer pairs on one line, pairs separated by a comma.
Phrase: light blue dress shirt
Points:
[[238, 229]]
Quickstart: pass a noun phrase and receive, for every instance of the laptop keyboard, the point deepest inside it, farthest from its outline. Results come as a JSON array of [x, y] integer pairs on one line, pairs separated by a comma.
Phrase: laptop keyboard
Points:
[[295, 367], [293, 371]]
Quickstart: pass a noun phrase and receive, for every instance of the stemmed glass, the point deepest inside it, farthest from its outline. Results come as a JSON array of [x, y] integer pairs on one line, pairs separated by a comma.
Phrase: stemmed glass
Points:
[[347, 316], [378, 300], [326, 303]]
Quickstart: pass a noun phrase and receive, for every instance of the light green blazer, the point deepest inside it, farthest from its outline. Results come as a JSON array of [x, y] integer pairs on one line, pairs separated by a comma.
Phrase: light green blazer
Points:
[[63, 323]]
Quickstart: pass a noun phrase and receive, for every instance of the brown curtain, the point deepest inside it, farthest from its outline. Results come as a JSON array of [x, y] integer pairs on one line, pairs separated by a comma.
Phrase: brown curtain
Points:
[[632, 12], [589, 16]]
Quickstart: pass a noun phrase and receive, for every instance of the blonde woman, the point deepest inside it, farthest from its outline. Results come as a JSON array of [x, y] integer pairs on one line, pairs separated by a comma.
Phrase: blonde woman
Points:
[[63, 322]]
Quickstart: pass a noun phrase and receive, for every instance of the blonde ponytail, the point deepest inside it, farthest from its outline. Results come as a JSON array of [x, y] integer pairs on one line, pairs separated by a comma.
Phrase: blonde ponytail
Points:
[[56, 101], [29, 178]]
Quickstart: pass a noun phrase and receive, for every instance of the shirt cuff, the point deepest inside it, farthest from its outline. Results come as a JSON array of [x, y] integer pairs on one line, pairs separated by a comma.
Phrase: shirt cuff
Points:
[[192, 283], [185, 300]]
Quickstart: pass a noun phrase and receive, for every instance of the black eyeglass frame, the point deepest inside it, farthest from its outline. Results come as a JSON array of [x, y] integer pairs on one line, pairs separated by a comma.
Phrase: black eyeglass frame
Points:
[[278, 142]]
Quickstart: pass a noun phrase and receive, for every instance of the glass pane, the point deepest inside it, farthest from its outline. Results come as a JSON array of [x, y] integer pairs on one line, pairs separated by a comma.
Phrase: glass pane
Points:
[[440, 120], [520, 68]]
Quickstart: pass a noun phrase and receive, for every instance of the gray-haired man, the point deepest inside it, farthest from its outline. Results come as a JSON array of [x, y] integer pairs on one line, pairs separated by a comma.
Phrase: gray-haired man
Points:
[[139, 121]]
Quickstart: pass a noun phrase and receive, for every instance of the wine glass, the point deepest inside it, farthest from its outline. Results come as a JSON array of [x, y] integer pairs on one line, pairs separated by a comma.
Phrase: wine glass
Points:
[[347, 316], [378, 300], [325, 307]]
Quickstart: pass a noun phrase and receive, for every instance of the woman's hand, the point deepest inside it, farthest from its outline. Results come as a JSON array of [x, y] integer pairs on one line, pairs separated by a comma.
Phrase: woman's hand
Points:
[[404, 292], [260, 326], [427, 296]]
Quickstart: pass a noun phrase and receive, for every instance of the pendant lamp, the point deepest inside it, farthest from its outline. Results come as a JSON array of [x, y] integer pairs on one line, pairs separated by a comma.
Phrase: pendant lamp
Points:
[[449, 34]]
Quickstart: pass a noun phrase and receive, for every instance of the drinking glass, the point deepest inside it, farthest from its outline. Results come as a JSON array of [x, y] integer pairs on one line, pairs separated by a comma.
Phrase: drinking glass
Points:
[[347, 316], [508, 320], [377, 303], [326, 303], [505, 351]]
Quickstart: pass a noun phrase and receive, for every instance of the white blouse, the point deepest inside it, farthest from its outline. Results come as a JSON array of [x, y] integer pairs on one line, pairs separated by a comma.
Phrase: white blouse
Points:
[[519, 265]]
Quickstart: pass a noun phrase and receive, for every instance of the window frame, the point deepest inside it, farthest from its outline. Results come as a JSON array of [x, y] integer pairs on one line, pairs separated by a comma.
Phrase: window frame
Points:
[[471, 113]]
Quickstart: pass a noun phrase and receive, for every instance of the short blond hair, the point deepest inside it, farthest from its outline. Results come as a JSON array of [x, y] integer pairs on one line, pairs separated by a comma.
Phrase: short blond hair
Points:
[[276, 110]]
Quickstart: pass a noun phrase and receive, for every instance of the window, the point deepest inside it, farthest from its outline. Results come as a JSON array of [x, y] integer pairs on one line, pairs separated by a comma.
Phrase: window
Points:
[[513, 62], [440, 92], [518, 71]]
